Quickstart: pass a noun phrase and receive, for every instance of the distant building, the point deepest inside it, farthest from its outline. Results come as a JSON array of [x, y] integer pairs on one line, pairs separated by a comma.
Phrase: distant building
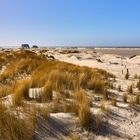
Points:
[[25, 46], [34, 46]]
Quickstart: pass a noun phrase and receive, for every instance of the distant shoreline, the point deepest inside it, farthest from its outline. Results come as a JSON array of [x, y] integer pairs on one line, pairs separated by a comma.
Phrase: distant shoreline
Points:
[[95, 47]]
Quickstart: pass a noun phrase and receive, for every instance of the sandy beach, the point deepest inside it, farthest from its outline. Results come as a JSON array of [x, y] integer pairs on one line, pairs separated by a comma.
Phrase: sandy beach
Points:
[[123, 121]]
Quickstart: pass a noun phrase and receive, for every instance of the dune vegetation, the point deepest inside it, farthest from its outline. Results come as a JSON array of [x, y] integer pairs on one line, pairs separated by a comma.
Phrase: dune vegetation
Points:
[[64, 89]]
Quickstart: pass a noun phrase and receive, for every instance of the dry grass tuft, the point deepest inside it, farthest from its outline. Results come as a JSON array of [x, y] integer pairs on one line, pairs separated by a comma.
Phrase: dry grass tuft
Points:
[[60, 104], [47, 94], [20, 91], [44, 112], [12, 127], [81, 107], [75, 137], [85, 116], [79, 98]]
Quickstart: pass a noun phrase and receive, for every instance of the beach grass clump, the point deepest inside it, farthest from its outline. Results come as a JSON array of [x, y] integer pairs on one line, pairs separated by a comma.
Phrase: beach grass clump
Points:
[[63, 75], [97, 85], [47, 94], [85, 116], [21, 91], [78, 99], [12, 127], [21, 63], [81, 107], [60, 104]]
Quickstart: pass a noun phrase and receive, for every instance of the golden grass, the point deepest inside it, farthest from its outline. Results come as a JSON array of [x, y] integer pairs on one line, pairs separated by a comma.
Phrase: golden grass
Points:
[[47, 94], [21, 90], [78, 99], [75, 137], [85, 116], [67, 76], [44, 112], [5, 90], [96, 84], [81, 107], [60, 104], [12, 127], [61, 75], [56, 104], [18, 67]]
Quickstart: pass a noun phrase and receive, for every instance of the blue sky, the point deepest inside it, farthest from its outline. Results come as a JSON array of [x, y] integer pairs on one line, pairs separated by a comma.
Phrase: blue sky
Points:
[[70, 22]]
